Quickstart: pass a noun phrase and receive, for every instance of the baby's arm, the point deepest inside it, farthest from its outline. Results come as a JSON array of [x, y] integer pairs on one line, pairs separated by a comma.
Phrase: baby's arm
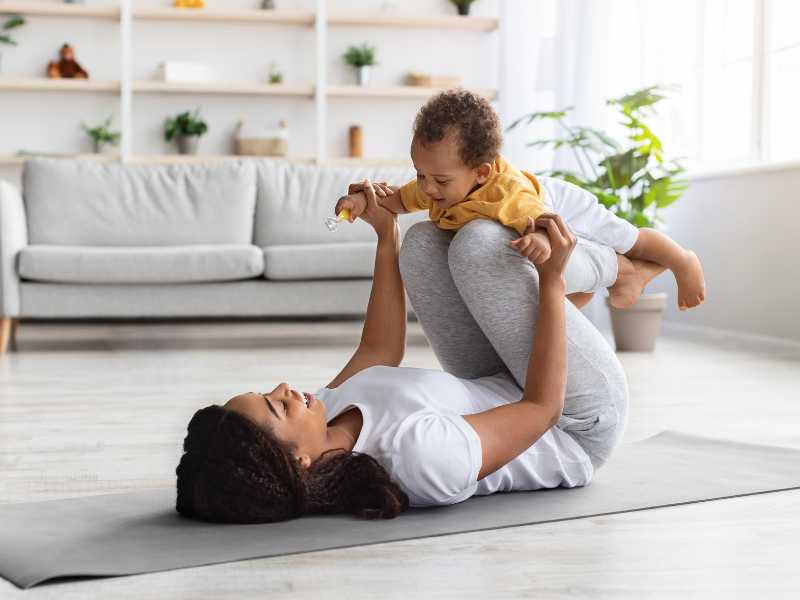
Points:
[[392, 203], [387, 195]]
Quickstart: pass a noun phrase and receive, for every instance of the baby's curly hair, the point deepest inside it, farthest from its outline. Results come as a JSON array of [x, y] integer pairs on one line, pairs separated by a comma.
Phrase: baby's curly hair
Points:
[[470, 116]]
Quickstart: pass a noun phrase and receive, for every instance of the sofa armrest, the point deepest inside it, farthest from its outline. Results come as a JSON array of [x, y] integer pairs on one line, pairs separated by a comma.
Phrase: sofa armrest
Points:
[[13, 237]]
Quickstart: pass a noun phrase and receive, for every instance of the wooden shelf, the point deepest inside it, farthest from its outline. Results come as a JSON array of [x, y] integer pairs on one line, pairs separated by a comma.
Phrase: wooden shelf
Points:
[[397, 91], [251, 89], [366, 162], [450, 22], [19, 159], [278, 17], [67, 85], [15, 159], [199, 158], [55, 9], [240, 89]]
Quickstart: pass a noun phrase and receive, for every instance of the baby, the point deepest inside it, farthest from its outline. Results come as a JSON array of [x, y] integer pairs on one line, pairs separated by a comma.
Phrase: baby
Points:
[[461, 176]]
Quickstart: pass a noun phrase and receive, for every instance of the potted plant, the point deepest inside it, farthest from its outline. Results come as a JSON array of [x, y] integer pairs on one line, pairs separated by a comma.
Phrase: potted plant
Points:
[[186, 128], [11, 23], [102, 137], [462, 6], [632, 179], [362, 58], [275, 76]]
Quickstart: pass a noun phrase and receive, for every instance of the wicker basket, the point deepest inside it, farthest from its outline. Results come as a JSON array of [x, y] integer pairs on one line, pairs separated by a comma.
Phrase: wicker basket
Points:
[[260, 141], [421, 79], [261, 146]]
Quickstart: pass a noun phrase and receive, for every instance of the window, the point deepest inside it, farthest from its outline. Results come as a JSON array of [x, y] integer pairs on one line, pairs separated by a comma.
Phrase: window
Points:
[[782, 61], [736, 63]]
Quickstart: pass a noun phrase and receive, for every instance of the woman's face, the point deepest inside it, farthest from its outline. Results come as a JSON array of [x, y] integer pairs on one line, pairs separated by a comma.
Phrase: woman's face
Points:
[[284, 411]]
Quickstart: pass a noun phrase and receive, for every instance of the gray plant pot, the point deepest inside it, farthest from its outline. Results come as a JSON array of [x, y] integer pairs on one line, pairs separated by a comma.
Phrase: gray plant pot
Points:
[[99, 147], [363, 75], [187, 144], [636, 327]]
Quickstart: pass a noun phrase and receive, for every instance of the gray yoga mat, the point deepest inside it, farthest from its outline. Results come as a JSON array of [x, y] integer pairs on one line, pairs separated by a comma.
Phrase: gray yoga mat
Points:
[[125, 534]]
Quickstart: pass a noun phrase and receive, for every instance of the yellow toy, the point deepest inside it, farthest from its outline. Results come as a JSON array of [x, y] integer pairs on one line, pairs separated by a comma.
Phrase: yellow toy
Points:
[[190, 3], [332, 223]]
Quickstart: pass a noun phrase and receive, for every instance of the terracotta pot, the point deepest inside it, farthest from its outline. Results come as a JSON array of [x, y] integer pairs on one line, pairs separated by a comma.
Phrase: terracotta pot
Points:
[[636, 327]]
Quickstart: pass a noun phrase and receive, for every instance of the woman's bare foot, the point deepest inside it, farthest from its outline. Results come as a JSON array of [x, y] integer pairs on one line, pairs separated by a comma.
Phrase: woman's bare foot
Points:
[[632, 277], [691, 283]]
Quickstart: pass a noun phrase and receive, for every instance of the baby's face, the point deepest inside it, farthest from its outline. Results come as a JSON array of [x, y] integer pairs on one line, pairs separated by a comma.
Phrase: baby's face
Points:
[[441, 175]]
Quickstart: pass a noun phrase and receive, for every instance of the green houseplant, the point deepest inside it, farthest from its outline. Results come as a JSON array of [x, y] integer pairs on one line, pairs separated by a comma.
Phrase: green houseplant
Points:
[[102, 137], [5, 38], [187, 128], [274, 76], [362, 58], [462, 6], [633, 179]]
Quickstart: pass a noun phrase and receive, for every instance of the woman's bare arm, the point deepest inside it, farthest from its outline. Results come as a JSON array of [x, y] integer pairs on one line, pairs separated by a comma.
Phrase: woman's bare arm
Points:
[[383, 337]]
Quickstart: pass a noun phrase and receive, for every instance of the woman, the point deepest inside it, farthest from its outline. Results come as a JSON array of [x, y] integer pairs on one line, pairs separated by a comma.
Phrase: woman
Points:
[[533, 396]]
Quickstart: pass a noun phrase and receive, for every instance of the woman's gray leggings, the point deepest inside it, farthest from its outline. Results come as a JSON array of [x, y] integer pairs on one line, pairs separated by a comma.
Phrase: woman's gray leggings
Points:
[[477, 301]]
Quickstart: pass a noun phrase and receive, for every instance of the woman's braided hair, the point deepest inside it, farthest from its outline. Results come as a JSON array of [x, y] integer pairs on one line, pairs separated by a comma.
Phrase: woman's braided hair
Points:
[[470, 116], [233, 471]]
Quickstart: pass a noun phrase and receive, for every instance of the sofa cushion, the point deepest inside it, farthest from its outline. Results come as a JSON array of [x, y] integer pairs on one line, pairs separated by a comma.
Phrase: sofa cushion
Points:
[[320, 261], [294, 199], [164, 264], [74, 202]]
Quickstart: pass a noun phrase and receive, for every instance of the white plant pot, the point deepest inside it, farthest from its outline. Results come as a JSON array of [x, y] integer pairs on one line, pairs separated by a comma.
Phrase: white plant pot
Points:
[[363, 75], [636, 327]]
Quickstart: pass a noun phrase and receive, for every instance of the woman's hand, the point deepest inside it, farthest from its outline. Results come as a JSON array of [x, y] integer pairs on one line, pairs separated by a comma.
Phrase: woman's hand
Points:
[[382, 220], [356, 203], [562, 243]]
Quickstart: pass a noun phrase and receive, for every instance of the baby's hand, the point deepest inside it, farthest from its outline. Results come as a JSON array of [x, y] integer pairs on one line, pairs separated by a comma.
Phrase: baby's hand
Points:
[[381, 188], [357, 203], [534, 245]]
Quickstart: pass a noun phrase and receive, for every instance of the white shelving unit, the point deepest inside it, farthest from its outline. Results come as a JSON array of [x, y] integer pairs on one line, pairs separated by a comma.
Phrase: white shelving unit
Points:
[[125, 15]]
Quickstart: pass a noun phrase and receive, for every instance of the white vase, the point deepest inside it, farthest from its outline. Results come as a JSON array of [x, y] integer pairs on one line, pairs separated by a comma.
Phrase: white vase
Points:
[[363, 75]]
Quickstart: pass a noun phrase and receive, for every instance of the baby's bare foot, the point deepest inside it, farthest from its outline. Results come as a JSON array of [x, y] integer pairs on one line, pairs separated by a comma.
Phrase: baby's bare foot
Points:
[[632, 277], [691, 283]]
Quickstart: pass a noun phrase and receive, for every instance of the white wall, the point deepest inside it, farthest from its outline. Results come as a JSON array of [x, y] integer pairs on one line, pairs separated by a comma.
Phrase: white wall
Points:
[[745, 228]]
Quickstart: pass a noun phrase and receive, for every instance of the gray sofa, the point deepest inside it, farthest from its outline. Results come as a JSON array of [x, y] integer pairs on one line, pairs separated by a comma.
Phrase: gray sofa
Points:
[[241, 237]]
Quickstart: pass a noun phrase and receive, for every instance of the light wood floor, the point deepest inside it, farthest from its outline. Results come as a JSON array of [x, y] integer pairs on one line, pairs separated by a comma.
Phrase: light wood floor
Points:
[[99, 408]]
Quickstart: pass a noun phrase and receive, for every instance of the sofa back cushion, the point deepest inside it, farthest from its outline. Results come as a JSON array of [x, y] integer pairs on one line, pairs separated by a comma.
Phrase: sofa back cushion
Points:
[[294, 199], [90, 203]]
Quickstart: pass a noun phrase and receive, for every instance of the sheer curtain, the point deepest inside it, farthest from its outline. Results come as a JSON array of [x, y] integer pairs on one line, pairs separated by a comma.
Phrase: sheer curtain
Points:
[[704, 48]]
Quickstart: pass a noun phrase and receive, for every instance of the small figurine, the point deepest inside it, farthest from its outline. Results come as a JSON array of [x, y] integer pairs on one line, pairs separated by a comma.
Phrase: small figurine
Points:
[[67, 67]]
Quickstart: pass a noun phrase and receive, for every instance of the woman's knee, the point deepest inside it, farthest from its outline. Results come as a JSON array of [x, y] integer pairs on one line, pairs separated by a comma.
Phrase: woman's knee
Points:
[[415, 249], [482, 245]]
